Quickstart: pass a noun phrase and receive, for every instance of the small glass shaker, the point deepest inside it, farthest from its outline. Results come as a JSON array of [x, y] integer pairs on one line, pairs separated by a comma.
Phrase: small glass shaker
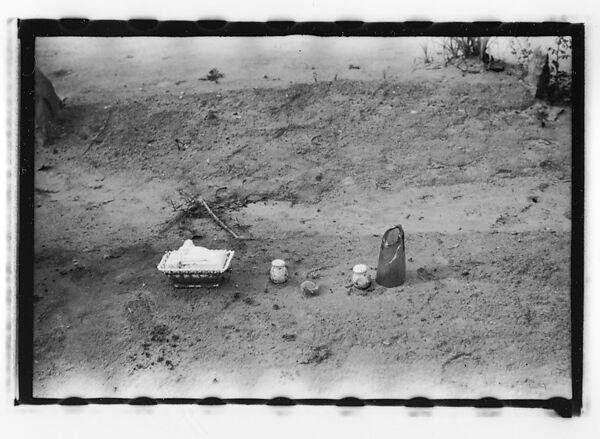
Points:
[[279, 273], [360, 277]]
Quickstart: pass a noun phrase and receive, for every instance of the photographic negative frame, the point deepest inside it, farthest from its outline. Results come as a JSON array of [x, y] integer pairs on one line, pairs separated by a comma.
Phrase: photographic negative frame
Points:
[[31, 30]]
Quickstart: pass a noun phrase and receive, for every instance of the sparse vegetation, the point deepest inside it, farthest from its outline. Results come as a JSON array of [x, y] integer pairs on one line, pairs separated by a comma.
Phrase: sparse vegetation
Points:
[[463, 47], [559, 81], [427, 56], [521, 50], [213, 75], [560, 78]]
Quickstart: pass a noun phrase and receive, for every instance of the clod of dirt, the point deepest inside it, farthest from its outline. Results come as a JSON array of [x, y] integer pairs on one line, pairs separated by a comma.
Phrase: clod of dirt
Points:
[[314, 274], [533, 198], [159, 333], [309, 288], [547, 164], [543, 186], [289, 337], [496, 67], [501, 220], [353, 67], [250, 301], [317, 354], [424, 274], [275, 307], [211, 115], [213, 75]]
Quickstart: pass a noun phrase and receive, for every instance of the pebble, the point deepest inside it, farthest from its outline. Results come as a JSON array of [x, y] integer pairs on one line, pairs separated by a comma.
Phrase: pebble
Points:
[[309, 288]]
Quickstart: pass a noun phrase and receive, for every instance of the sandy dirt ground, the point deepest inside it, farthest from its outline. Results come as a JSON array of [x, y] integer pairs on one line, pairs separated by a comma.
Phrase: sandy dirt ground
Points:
[[309, 161]]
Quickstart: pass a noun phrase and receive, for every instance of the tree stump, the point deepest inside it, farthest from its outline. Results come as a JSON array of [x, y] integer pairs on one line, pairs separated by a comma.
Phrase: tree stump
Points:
[[538, 74], [47, 106]]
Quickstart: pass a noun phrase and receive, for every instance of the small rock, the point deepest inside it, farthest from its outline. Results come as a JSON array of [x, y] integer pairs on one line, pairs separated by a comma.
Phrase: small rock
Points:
[[465, 273], [249, 301], [309, 288], [275, 307]]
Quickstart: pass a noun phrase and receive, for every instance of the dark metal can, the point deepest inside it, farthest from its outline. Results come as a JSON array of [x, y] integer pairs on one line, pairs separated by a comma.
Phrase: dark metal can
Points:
[[391, 269]]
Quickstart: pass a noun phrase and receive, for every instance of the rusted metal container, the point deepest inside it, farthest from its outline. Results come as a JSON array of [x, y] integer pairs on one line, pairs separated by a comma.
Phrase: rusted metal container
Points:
[[391, 269]]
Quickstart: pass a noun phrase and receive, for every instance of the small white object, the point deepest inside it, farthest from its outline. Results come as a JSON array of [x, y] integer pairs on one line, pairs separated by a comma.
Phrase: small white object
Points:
[[279, 273], [360, 277]]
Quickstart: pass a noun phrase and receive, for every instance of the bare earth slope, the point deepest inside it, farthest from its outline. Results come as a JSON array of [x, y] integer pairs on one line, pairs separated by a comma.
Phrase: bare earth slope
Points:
[[312, 173]]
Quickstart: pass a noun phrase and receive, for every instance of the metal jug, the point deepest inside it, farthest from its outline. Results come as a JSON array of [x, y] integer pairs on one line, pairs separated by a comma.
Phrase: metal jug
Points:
[[391, 269]]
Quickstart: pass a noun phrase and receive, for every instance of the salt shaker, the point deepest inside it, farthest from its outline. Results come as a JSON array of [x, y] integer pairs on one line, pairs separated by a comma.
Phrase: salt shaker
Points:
[[360, 277], [279, 273]]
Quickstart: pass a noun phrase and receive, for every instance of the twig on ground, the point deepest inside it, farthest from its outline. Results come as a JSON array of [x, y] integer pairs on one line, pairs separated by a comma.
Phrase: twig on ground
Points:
[[280, 132], [456, 357], [236, 151], [428, 301], [458, 165], [219, 222], [100, 131]]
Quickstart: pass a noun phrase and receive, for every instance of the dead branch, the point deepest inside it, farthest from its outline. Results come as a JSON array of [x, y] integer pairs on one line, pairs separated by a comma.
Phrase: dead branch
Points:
[[98, 133], [218, 221], [456, 357], [458, 165]]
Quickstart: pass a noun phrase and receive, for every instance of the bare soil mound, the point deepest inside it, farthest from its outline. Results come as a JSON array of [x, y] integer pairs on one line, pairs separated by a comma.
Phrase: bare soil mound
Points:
[[312, 173]]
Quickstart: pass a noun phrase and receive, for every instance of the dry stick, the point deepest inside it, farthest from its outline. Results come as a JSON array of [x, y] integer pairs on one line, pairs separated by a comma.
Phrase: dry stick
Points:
[[458, 165], [219, 222], [100, 131]]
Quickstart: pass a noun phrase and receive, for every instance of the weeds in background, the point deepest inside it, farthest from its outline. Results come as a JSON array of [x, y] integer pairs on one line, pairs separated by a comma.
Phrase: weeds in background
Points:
[[463, 47], [560, 79], [214, 75], [427, 56], [522, 51], [559, 82]]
